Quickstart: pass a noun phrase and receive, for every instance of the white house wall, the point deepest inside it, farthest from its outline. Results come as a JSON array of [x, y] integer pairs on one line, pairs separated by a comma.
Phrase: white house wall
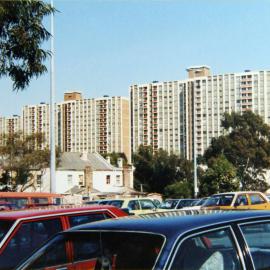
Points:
[[99, 181]]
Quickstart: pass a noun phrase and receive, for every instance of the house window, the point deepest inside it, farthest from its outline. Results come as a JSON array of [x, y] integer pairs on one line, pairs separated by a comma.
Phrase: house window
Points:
[[39, 181], [81, 180], [69, 180], [117, 179], [108, 179]]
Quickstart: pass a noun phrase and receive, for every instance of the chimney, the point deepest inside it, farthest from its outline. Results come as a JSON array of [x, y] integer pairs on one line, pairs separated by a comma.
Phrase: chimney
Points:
[[120, 163], [108, 159]]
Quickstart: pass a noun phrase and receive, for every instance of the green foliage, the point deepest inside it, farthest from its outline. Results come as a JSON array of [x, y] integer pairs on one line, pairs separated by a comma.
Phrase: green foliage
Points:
[[178, 190], [155, 171], [219, 177], [114, 157], [21, 36], [21, 155], [246, 146]]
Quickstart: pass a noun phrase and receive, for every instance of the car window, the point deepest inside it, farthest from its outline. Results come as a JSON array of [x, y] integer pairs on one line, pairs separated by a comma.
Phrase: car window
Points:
[[258, 239], [5, 225], [54, 256], [19, 202], [219, 200], [212, 250], [82, 219], [147, 204], [256, 199], [116, 203], [134, 205], [184, 203], [106, 250], [28, 237], [39, 200], [241, 200]]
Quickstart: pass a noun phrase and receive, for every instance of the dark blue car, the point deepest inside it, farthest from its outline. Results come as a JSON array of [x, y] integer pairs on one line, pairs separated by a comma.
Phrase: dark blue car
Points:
[[220, 241]]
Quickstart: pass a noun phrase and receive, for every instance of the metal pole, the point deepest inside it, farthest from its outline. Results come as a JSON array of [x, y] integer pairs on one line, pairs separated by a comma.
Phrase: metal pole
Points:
[[52, 110], [196, 190]]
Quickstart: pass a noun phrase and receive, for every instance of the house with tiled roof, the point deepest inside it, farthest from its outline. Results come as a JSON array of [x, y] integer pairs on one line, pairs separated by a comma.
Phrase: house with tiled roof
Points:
[[84, 173]]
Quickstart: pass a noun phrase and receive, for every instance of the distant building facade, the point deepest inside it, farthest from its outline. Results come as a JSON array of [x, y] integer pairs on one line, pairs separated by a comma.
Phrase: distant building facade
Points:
[[9, 126], [88, 172], [173, 115], [96, 125]]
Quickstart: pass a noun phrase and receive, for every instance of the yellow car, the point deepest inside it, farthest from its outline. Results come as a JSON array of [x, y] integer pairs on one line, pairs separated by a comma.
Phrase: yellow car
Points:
[[242, 200], [133, 205]]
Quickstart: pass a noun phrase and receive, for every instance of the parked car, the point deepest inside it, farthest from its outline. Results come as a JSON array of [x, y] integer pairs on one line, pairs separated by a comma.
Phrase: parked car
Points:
[[242, 200], [21, 200], [133, 205], [23, 231], [223, 241], [176, 203], [197, 205]]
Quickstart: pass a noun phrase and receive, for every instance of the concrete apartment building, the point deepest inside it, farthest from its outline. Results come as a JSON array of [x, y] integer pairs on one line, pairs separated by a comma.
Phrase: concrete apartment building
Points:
[[95, 125], [173, 115], [9, 125], [36, 119]]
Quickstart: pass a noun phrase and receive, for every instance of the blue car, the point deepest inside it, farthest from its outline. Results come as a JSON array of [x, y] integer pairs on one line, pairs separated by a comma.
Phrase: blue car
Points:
[[220, 241]]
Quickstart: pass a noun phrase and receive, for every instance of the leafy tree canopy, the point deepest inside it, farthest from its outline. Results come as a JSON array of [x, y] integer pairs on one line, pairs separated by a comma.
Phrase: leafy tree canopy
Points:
[[21, 36], [155, 171], [179, 190], [220, 176], [19, 156], [246, 146]]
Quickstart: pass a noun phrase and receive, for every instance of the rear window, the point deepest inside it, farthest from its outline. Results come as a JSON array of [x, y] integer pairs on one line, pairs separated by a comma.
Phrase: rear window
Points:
[[105, 250], [4, 227]]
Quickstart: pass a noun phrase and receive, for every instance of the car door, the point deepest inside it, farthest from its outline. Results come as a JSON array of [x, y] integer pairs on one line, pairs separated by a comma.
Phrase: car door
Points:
[[257, 202], [257, 239], [134, 207], [29, 235], [242, 202], [147, 206], [213, 249]]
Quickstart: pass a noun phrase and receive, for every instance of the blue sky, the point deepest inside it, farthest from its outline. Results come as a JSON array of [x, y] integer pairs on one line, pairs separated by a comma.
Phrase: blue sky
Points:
[[104, 46]]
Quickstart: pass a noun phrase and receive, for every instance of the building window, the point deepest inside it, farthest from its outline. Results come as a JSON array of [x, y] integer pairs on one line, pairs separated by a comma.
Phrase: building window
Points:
[[81, 180], [69, 180], [118, 180], [108, 179]]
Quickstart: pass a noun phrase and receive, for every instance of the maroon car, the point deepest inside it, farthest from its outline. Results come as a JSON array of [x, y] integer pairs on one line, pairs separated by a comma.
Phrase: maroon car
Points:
[[21, 232]]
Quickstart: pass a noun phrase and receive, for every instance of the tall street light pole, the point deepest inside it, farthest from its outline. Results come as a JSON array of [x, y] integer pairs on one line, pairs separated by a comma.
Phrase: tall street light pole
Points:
[[196, 190], [52, 111]]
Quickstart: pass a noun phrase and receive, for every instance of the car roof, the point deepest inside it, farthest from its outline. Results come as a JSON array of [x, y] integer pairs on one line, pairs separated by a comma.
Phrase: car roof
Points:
[[177, 224], [54, 210], [237, 192]]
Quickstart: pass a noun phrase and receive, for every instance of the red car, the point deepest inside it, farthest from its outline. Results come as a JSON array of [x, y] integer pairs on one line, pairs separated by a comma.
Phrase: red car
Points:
[[21, 232]]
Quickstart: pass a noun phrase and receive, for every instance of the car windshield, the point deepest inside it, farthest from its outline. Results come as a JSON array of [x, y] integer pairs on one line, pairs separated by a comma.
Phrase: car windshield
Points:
[[4, 228], [103, 250], [219, 200], [168, 204]]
